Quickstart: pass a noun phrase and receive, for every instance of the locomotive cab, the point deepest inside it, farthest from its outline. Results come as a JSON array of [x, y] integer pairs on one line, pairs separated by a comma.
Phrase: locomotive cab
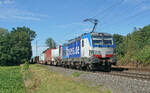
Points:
[[102, 46]]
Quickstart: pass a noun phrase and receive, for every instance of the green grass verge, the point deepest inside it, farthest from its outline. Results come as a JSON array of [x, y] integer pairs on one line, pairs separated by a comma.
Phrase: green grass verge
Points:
[[39, 79], [76, 74], [11, 80]]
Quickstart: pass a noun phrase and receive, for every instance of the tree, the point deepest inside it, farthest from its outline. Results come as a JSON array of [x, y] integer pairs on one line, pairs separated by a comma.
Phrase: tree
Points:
[[3, 32], [4, 47], [134, 47], [21, 49], [15, 47], [30, 32], [119, 44], [50, 43], [118, 38]]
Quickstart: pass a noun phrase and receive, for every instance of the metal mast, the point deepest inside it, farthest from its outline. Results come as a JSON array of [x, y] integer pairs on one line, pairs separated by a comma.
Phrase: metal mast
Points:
[[36, 48], [94, 21]]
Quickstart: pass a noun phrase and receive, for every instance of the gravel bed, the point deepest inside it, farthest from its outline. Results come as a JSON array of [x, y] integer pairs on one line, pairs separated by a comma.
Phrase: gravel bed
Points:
[[116, 84], [140, 72]]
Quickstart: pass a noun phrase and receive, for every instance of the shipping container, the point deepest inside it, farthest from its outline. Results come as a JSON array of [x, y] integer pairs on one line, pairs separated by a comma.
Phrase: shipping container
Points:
[[56, 53], [42, 58], [56, 56], [47, 55]]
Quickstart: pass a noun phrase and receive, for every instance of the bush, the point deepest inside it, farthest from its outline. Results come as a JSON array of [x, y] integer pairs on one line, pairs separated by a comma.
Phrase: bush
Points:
[[143, 56], [25, 66], [134, 48]]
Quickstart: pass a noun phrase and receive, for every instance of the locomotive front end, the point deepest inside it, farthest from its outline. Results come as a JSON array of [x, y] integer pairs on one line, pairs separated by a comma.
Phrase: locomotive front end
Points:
[[103, 45], [103, 49]]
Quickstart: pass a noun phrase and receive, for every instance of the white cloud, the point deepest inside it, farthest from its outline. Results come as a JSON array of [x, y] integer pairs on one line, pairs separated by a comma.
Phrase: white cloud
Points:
[[72, 24], [6, 2], [18, 14], [132, 1], [26, 18], [9, 11]]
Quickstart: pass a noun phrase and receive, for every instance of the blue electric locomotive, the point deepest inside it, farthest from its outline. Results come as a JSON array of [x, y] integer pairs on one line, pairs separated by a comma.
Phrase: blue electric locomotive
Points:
[[89, 51]]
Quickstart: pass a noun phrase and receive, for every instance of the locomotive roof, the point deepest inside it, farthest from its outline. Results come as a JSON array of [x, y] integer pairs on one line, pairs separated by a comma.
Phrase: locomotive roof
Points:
[[100, 33], [92, 33]]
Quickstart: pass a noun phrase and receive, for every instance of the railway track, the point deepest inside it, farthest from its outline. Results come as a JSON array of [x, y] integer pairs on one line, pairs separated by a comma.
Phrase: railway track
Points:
[[138, 76], [133, 75]]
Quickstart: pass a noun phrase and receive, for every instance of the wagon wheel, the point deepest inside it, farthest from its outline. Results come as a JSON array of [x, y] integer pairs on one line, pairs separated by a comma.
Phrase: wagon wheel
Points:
[[89, 67], [79, 67], [107, 68]]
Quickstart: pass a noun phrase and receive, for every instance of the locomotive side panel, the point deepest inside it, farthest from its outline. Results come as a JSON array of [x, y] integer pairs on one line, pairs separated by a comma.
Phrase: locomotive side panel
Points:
[[74, 49], [86, 45]]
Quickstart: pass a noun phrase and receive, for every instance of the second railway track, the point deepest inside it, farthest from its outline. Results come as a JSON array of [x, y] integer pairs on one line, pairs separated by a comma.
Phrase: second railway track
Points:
[[138, 76]]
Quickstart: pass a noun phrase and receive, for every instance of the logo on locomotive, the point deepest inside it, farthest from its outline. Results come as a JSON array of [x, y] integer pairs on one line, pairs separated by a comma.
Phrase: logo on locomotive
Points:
[[74, 49]]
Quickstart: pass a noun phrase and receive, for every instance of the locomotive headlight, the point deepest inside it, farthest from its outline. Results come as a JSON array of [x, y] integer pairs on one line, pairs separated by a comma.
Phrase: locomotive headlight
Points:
[[97, 52], [92, 52], [109, 52]]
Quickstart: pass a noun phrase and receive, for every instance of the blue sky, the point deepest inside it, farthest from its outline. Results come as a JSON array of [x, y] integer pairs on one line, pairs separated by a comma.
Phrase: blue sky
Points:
[[63, 19]]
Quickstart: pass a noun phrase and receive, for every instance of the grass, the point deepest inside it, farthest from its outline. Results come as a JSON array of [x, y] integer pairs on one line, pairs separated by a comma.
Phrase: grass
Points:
[[41, 80], [11, 80], [108, 91], [38, 79], [76, 74]]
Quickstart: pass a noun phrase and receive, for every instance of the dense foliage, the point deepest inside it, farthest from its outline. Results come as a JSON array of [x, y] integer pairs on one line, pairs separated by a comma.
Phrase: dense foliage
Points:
[[51, 43], [15, 47], [134, 48]]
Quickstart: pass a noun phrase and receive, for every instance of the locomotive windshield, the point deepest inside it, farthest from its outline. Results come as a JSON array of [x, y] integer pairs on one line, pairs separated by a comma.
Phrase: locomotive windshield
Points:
[[102, 40], [107, 42], [97, 42]]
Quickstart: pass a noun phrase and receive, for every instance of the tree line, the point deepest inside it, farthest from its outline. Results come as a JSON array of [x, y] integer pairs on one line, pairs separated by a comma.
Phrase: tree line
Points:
[[134, 48], [15, 46]]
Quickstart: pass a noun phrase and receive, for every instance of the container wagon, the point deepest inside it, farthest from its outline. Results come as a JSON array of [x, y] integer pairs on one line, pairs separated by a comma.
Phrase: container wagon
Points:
[[56, 56], [42, 58], [47, 56]]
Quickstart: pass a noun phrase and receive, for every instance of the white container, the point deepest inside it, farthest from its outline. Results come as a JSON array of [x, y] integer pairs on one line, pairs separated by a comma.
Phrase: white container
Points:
[[42, 57], [55, 53]]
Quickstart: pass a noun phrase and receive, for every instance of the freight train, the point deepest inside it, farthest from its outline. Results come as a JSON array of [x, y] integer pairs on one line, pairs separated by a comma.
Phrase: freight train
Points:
[[90, 51]]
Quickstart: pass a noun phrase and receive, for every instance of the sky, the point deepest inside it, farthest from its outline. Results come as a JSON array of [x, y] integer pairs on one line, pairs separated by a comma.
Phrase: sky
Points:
[[63, 19]]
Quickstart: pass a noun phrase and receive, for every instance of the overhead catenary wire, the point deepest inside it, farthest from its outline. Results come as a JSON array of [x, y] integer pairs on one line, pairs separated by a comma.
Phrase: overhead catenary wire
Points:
[[133, 16], [128, 17], [107, 9]]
